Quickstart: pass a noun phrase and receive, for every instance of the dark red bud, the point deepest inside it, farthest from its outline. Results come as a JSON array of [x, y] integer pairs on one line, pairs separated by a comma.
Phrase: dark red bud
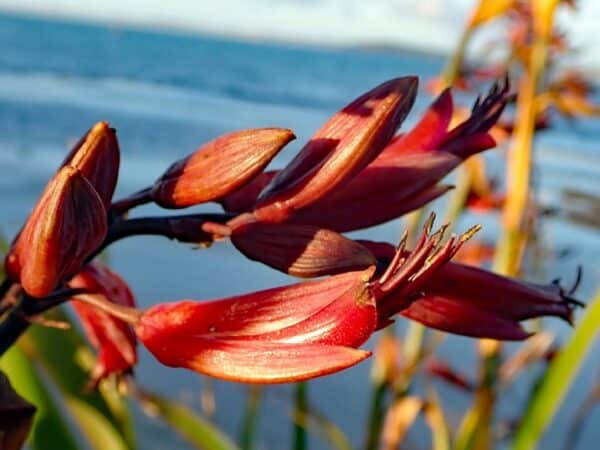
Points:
[[66, 226], [300, 250]]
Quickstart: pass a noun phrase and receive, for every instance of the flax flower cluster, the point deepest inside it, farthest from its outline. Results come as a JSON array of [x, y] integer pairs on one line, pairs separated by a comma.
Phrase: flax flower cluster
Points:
[[355, 172]]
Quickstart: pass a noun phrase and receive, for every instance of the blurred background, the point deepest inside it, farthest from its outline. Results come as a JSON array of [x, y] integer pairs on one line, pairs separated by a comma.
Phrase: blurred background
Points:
[[170, 76]]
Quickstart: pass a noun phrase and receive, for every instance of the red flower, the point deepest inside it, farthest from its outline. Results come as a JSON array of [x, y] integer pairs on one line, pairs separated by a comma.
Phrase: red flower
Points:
[[402, 178], [113, 338], [299, 250], [290, 333]]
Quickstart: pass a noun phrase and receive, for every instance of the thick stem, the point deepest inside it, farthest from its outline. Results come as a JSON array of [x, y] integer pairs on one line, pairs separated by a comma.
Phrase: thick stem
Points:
[[184, 228], [138, 198], [12, 327]]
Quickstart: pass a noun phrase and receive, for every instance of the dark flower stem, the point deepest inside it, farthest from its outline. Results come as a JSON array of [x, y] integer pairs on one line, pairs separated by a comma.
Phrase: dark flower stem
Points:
[[184, 228], [138, 198], [12, 326], [18, 318]]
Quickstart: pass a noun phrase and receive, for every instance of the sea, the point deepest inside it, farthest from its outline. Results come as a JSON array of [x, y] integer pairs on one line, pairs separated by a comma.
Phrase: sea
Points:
[[166, 94]]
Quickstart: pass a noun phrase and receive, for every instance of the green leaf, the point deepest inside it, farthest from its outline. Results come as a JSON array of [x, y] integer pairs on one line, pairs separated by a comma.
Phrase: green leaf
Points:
[[49, 429], [558, 379], [97, 430], [198, 431]]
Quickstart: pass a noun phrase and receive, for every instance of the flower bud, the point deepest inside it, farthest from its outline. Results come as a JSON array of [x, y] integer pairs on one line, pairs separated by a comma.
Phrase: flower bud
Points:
[[345, 145], [300, 250], [66, 226], [220, 167], [97, 156]]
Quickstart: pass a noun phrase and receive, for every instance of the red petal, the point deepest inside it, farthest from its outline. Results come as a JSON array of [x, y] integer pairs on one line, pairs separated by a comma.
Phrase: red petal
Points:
[[462, 318], [340, 213], [113, 338], [256, 362], [507, 297], [429, 131], [263, 314], [243, 199]]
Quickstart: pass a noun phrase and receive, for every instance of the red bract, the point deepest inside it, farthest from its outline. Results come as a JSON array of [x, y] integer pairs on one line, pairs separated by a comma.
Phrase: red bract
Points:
[[219, 167], [113, 338], [291, 333], [346, 144], [474, 302], [66, 226], [402, 178], [97, 156]]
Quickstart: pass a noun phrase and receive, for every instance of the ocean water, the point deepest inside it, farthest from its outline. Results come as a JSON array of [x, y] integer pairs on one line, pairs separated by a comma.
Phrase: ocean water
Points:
[[166, 95]]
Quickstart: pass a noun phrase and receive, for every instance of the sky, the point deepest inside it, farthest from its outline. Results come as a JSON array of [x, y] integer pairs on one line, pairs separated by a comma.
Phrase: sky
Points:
[[425, 24]]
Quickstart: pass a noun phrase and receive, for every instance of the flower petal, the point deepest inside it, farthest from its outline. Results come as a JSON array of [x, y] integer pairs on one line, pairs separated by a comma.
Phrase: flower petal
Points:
[[256, 362], [265, 315], [429, 131], [454, 316]]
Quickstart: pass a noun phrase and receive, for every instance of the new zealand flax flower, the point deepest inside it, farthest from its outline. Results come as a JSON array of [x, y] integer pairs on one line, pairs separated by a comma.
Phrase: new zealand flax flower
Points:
[[113, 338], [290, 333], [403, 177]]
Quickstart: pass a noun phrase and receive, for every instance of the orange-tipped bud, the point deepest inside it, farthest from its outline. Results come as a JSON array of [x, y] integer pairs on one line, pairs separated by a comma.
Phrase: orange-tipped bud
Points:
[[67, 225], [220, 167], [97, 156], [301, 250]]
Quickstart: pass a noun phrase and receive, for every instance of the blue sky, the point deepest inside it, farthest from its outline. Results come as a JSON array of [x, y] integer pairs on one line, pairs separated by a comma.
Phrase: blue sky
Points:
[[429, 24]]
